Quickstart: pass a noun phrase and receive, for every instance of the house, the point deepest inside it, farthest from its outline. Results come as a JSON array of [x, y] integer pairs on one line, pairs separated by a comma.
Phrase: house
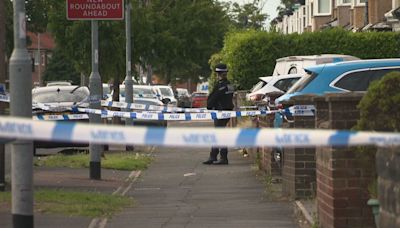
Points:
[[40, 49], [355, 15]]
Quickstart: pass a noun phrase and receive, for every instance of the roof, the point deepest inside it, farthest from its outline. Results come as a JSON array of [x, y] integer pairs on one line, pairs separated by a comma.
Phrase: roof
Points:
[[46, 41], [342, 67], [313, 57]]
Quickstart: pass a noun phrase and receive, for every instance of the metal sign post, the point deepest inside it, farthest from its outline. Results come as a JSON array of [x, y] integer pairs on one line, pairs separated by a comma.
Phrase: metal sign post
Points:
[[95, 87], [21, 106], [95, 10]]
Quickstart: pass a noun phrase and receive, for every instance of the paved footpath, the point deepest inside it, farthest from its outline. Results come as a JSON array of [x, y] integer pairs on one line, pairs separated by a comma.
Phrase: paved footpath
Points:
[[176, 191], [179, 191]]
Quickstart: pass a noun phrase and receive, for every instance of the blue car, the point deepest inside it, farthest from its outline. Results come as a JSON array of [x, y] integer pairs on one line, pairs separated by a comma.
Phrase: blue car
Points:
[[341, 77]]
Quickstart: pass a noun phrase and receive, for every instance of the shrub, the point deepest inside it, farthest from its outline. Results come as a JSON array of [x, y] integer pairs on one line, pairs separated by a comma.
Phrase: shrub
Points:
[[380, 107], [252, 54]]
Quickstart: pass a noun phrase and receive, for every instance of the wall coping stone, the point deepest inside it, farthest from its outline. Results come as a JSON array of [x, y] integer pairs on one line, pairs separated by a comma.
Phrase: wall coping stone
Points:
[[351, 96]]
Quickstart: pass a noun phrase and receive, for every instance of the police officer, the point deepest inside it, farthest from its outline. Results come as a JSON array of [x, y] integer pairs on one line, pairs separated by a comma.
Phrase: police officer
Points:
[[220, 99]]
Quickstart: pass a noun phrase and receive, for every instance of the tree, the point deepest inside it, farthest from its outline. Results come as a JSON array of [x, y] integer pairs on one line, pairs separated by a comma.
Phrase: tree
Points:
[[60, 68], [180, 36], [74, 38], [36, 19], [249, 16]]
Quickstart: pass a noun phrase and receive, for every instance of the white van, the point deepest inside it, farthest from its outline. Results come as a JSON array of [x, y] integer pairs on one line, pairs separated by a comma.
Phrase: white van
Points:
[[165, 91], [296, 64]]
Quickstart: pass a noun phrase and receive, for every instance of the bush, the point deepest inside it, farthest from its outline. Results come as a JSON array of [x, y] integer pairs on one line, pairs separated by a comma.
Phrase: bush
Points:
[[252, 54], [379, 111], [380, 107]]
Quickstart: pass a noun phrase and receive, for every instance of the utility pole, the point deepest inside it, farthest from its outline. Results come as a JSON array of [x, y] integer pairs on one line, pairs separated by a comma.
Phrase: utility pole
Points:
[[39, 61], [366, 19], [21, 106], [95, 87], [2, 80], [128, 78]]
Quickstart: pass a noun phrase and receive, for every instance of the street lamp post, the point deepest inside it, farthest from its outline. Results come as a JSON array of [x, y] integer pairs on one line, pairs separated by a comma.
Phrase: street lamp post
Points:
[[21, 106]]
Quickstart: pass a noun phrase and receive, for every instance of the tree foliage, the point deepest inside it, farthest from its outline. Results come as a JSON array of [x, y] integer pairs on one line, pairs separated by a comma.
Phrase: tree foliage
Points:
[[252, 54], [61, 68], [36, 17], [249, 16], [379, 108], [74, 38]]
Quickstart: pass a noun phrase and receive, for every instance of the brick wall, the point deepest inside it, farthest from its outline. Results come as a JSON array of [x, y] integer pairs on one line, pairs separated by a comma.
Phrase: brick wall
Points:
[[358, 14], [377, 10], [343, 174], [267, 163], [343, 13], [388, 167], [319, 21], [298, 173]]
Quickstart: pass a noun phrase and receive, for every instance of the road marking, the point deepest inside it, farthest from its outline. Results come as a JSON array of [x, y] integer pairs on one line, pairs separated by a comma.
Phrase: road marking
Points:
[[102, 222]]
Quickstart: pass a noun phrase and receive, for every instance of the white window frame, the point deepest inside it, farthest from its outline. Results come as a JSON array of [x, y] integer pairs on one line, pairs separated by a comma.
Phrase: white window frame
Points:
[[341, 3], [316, 6], [357, 3]]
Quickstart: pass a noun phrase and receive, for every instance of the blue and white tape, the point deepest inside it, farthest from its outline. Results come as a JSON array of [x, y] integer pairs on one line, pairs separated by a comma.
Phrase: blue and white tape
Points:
[[188, 137], [173, 116]]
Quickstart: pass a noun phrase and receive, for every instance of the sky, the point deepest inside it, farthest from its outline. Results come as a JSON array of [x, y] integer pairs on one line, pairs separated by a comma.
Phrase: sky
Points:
[[269, 7]]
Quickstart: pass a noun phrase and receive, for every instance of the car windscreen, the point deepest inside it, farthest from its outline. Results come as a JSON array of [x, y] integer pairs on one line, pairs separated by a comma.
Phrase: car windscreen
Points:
[[258, 86], [143, 92], [106, 90], [166, 92], [60, 96], [183, 92], [302, 83]]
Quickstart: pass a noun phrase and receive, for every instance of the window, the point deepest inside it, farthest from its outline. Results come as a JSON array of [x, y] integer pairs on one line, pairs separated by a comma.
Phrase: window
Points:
[[258, 86], [323, 6], [343, 2], [36, 56], [292, 70], [359, 81], [303, 82], [285, 84]]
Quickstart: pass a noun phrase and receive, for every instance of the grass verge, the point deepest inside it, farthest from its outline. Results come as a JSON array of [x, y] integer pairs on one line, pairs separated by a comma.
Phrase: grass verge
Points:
[[73, 203], [119, 161]]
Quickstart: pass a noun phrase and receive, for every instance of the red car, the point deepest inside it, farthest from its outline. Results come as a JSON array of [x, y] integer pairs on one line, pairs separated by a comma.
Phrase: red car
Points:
[[199, 100]]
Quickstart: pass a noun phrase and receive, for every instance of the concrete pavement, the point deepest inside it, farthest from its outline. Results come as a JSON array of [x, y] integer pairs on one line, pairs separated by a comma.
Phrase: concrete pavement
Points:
[[179, 191], [176, 191]]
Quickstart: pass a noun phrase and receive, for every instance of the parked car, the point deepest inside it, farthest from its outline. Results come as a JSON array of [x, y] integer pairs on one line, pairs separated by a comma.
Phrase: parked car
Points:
[[341, 77], [106, 91], [59, 96], [183, 98], [143, 94], [165, 91], [291, 65], [272, 85], [58, 83], [199, 100]]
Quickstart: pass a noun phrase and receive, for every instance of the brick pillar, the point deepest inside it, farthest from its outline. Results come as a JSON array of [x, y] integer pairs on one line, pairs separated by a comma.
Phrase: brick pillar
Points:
[[298, 173], [343, 174], [388, 167], [267, 163]]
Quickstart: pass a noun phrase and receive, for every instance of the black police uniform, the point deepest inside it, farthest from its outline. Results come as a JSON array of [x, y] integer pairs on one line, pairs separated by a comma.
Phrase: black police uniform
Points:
[[220, 99]]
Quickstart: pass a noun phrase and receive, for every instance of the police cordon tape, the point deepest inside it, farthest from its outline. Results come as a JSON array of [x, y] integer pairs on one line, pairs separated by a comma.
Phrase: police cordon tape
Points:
[[298, 110], [292, 111], [138, 106], [26, 129]]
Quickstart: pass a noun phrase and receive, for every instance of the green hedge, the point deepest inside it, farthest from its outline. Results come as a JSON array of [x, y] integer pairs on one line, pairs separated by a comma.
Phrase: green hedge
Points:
[[252, 54]]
